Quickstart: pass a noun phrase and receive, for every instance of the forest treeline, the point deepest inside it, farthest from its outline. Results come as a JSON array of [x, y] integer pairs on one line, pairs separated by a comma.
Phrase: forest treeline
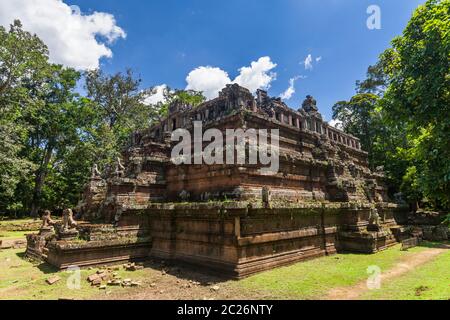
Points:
[[56, 122], [401, 111], [51, 134]]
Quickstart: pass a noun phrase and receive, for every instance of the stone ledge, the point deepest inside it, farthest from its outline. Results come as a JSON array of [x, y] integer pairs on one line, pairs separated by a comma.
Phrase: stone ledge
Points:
[[75, 245]]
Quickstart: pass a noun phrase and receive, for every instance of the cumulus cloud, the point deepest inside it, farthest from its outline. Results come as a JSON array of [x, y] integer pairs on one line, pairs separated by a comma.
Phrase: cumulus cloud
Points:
[[258, 75], [336, 123], [211, 80], [286, 95], [156, 95], [74, 39]]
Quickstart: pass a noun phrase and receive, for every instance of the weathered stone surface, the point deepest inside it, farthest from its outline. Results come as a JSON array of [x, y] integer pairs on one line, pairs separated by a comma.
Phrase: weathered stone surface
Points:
[[410, 243], [93, 277], [238, 221]]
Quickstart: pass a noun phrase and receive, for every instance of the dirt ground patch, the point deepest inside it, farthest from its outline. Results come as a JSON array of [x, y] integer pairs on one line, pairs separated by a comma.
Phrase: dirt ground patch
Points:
[[21, 279], [160, 282], [406, 265]]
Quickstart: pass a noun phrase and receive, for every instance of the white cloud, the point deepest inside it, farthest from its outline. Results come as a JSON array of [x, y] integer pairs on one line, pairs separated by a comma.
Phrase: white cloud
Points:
[[72, 38], [157, 95], [286, 95], [211, 80], [258, 75], [336, 123], [308, 62]]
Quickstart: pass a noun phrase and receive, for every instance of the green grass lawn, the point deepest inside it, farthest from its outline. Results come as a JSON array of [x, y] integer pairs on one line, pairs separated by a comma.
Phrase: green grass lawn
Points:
[[16, 229], [313, 279], [21, 279], [8, 235], [16, 221], [431, 281]]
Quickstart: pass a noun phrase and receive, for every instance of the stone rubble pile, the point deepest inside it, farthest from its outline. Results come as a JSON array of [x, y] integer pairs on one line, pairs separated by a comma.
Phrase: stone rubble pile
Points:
[[110, 277]]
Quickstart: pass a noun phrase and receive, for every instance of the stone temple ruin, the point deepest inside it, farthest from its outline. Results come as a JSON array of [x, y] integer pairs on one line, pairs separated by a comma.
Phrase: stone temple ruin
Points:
[[230, 219]]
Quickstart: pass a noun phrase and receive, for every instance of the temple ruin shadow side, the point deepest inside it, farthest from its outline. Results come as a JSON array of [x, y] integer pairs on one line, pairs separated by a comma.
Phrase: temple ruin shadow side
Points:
[[230, 219]]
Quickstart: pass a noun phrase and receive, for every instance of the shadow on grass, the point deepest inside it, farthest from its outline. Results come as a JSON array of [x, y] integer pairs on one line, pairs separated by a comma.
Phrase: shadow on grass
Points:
[[183, 270], [435, 245], [47, 268], [21, 255], [42, 266]]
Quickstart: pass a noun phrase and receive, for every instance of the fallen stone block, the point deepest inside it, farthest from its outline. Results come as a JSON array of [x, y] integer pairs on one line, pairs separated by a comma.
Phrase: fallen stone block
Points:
[[114, 283], [131, 268], [96, 282], [19, 244], [53, 280], [215, 288], [105, 277], [114, 268], [93, 277], [5, 245]]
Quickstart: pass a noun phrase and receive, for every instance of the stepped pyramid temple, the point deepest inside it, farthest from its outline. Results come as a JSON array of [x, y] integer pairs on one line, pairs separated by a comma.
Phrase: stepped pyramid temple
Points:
[[233, 219]]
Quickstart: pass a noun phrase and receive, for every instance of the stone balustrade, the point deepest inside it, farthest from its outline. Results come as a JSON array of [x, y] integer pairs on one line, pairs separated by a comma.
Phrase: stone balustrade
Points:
[[182, 116]]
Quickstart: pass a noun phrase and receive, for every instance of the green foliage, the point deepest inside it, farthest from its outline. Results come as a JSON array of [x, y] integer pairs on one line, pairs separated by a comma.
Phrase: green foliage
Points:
[[119, 108], [190, 97], [187, 97], [375, 82], [447, 220], [359, 118], [51, 135], [23, 58], [418, 97], [22, 66], [13, 168], [402, 110], [117, 101]]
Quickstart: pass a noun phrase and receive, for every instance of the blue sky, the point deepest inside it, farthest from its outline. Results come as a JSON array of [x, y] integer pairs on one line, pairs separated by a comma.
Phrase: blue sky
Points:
[[168, 39]]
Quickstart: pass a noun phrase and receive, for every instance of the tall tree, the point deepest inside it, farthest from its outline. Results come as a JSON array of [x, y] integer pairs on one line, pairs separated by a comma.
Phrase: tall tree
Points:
[[23, 60], [375, 82], [402, 110], [54, 122], [418, 97], [359, 117], [118, 98], [51, 136], [23, 64], [122, 107], [118, 102]]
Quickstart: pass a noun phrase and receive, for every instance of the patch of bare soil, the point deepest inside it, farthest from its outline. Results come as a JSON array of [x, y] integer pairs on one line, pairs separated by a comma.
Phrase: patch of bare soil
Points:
[[406, 265], [178, 283]]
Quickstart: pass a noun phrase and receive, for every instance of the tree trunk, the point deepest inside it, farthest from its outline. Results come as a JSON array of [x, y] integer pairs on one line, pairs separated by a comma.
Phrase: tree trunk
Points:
[[41, 174]]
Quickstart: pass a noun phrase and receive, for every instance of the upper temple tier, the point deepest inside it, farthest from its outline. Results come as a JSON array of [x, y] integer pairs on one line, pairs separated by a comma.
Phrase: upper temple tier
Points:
[[317, 162]]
